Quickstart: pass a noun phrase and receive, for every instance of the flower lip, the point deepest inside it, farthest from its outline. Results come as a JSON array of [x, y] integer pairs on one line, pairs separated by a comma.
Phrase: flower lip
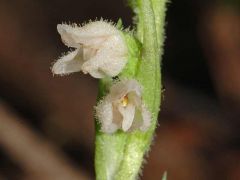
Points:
[[125, 108], [103, 46]]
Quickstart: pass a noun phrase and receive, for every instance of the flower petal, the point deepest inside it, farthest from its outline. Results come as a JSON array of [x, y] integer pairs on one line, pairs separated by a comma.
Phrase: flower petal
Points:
[[69, 63], [134, 98], [100, 67], [68, 34], [104, 113], [146, 117], [93, 33], [128, 113], [123, 87]]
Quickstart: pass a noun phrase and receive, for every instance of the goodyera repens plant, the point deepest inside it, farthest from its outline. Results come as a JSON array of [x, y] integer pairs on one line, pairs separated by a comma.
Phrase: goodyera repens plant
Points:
[[128, 66]]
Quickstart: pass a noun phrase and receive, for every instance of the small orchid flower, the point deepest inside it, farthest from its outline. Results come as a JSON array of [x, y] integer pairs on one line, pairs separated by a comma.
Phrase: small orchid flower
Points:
[[123, 108], [100, 50]]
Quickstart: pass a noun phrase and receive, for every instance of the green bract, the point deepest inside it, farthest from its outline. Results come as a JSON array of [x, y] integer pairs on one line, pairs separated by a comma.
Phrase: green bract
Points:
[[119, 156]]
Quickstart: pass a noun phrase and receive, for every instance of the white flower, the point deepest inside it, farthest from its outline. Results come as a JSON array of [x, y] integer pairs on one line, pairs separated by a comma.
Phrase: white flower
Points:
[[123, 108], [100, 50]]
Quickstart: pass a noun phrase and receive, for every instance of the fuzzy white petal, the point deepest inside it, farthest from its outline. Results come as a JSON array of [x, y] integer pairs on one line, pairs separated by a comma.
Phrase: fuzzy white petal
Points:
[[73, 35], [72, 62], [68, 34], [146, 116], [101, 67], [104, 112], [123, 87], [93, 34]]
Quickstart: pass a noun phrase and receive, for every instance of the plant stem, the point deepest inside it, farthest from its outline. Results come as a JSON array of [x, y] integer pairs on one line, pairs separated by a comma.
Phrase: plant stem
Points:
[[119, 156]]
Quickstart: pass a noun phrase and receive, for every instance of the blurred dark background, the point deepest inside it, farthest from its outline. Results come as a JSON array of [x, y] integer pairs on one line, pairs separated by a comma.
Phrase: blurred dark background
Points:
[[46, 122]]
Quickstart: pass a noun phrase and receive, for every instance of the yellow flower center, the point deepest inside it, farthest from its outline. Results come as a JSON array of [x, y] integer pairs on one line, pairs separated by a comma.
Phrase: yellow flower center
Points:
[[124, 101]]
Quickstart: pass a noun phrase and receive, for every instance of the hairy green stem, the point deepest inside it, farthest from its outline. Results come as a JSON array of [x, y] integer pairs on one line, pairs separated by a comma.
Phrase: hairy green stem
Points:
[[119, 156]]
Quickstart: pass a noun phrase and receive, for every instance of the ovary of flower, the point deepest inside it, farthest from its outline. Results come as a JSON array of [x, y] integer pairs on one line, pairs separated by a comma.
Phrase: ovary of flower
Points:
[[123, 108], [100, 50]]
